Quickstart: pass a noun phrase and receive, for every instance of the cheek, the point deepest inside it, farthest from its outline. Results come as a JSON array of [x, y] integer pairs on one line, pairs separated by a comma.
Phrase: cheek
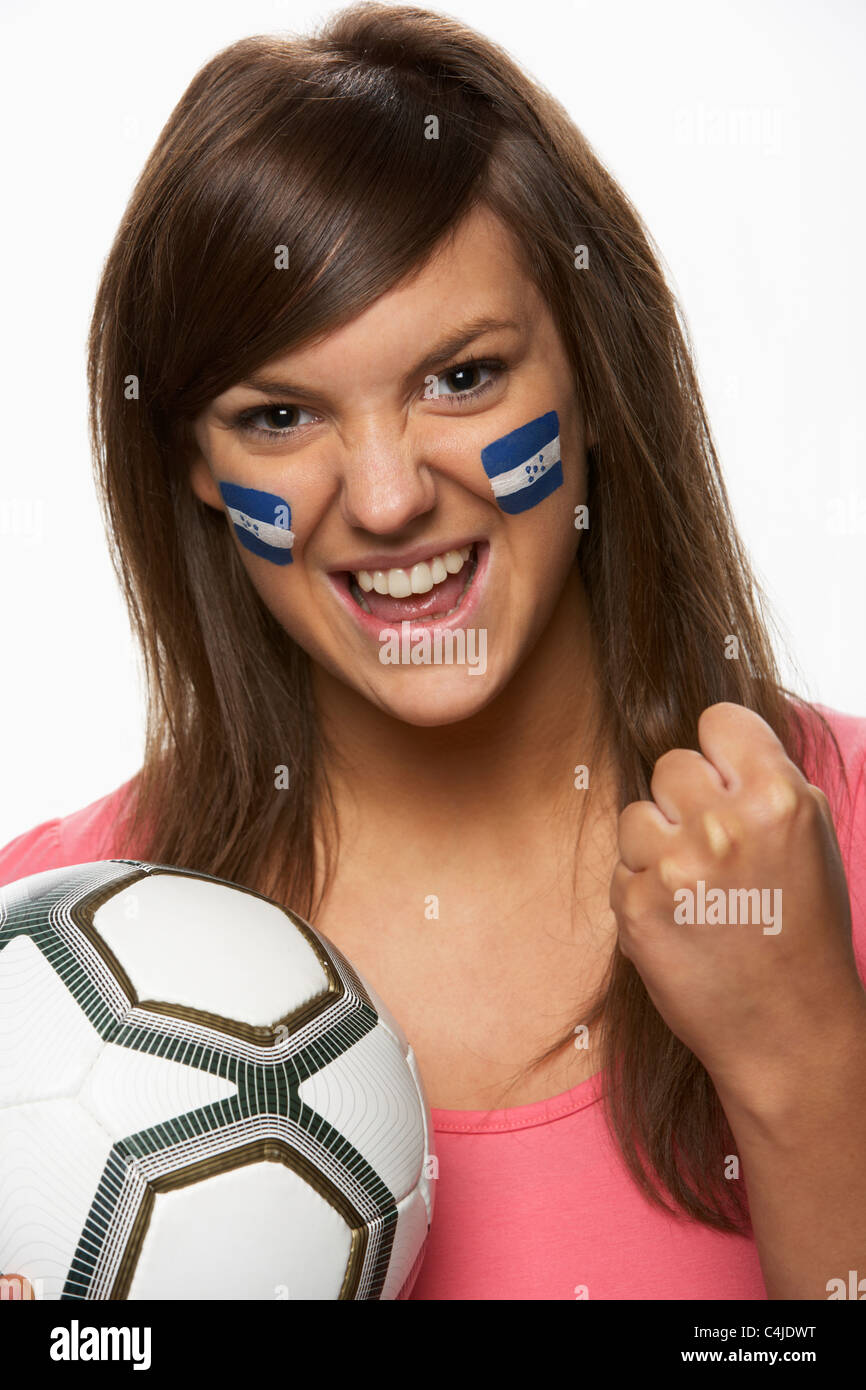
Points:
[[525, 466], [262, 522]]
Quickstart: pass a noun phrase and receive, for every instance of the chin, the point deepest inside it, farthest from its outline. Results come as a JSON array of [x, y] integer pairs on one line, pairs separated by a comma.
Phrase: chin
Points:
[[428, 702]]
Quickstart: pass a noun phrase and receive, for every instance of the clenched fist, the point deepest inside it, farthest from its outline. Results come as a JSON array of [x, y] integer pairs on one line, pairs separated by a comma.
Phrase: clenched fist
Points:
[[731, 901]]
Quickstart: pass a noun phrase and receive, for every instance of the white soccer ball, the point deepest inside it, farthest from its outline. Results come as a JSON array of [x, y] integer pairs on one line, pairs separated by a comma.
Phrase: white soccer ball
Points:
[[199, 1098]]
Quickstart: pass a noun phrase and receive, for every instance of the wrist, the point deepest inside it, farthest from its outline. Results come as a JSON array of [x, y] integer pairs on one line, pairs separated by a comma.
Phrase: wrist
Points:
[[809, 1080]]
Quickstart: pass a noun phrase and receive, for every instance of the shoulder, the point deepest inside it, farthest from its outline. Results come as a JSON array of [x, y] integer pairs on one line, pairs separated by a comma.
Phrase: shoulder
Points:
[[850, 731], [94, 832], [847, 796], [848, 807]]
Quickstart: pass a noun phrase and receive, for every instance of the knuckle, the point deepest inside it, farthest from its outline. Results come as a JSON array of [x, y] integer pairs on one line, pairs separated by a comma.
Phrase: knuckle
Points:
[[677, 764], [632, 817], [671, 875], [713, 714], [666, 761], [777, 802]]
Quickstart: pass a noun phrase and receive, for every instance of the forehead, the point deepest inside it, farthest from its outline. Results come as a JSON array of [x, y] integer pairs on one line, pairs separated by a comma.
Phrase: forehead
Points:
[[474, 272], [480, 247]]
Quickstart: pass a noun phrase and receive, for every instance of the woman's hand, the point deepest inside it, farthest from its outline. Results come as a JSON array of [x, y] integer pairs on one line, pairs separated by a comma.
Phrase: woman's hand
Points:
[[755, 996]]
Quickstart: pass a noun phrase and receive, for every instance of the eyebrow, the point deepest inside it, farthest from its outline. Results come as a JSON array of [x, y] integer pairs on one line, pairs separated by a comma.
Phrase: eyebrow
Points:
[[444, 351]]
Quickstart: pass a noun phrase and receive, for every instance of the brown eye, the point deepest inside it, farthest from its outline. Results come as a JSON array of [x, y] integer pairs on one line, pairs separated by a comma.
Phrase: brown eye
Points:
[[272, 421], [462, 378], [278, 417], [465, 380]]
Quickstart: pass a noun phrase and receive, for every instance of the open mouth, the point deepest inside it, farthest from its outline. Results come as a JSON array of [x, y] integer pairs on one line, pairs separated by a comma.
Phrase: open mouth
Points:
[[431, 591]]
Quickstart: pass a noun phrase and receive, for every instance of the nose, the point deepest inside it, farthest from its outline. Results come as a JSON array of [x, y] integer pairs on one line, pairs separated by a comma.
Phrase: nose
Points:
[[385, 481]]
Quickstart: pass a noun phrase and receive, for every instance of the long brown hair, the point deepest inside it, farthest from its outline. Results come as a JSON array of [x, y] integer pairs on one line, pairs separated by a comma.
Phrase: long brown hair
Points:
[[318, 144]]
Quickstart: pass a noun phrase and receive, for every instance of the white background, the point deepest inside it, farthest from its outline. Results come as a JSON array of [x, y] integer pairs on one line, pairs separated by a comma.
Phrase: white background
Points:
[[735, 126]]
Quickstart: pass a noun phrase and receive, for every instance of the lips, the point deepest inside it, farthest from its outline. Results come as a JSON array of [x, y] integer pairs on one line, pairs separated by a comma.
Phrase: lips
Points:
[[439, 601], [404, 559], [447, 604]]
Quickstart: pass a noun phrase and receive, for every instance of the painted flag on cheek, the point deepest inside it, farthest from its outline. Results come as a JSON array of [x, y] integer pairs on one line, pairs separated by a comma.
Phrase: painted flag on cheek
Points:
[[261, 521], [525, 466]]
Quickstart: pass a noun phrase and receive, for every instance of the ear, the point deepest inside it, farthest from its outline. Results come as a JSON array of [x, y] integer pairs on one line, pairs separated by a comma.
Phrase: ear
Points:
[[201, 479], [202, 482]]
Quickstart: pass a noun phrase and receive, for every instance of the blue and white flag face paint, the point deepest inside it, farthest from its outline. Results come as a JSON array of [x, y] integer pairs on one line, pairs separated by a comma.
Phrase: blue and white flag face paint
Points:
[[261, 522], [524, 466]]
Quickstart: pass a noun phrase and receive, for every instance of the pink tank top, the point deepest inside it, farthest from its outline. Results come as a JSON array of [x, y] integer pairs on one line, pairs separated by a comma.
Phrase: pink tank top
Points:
[[534, 1202]]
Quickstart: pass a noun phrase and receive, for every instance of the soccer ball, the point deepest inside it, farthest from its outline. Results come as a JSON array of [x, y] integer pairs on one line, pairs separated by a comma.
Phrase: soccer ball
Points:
[[199, 1098]]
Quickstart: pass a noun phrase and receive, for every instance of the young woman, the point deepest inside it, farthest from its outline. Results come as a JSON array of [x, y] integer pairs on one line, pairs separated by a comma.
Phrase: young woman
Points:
[[382, 358]]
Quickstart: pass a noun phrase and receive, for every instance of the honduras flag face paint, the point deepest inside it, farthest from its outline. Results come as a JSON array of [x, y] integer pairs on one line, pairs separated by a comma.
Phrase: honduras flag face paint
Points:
[[524, 466], [261, 522]]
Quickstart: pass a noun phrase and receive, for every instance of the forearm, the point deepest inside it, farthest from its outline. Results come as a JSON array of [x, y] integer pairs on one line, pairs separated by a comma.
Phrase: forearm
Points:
[[800, 1134]]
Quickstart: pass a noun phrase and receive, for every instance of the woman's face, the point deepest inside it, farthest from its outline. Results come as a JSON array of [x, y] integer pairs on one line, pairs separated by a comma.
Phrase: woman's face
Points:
[[370, 464]]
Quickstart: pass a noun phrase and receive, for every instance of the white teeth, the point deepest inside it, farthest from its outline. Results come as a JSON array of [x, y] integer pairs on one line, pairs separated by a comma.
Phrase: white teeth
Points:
[[399, 584], [419, 580]]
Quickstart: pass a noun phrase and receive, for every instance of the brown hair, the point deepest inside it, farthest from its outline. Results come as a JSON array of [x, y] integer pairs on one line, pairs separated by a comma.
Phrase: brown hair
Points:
[[318, 144]]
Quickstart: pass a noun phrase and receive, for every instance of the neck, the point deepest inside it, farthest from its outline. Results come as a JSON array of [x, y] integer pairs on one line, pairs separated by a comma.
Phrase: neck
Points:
[[520, 751]]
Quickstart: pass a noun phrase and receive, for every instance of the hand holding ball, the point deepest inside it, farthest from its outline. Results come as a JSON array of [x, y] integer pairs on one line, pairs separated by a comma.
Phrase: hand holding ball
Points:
[[199, 1098]]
